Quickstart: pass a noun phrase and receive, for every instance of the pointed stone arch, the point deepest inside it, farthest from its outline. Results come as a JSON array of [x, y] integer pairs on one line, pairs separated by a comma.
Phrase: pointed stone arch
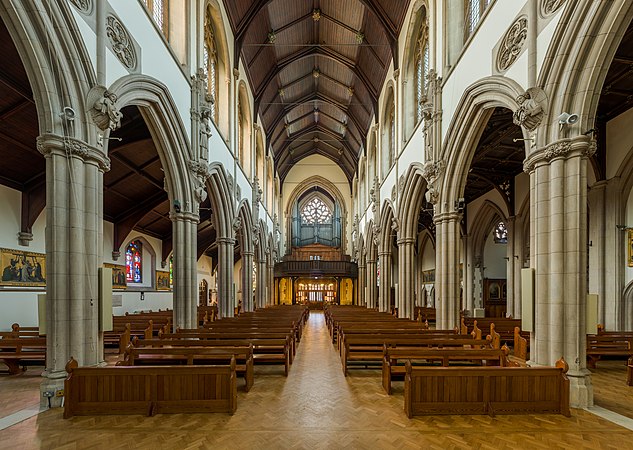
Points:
[[472, 113], [414, 185]]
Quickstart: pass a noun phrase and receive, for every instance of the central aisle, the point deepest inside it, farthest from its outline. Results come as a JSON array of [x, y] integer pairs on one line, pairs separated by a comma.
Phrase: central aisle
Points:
[[316, 407]]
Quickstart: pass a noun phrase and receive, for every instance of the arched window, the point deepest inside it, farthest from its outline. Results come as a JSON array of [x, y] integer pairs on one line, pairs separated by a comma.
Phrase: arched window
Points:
[[159, 11], [316, 212], [421, 70], [501, 233], [210, 62], [240, 129], [134, 262], [474, 10], [392, 135]]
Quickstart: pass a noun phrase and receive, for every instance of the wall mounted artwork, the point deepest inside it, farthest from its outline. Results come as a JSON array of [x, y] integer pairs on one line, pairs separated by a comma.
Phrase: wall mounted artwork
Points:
[[20, 268]]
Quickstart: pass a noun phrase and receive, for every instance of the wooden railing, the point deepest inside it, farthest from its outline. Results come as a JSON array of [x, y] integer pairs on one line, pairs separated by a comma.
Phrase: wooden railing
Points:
[[316, 268]]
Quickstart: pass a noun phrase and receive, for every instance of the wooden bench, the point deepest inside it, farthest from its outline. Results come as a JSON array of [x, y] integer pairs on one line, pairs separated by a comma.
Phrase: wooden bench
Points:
[[608, 345], [446, 356], [266, 350], [22, 351], [149, 390], [369, 349], [486, 390], [520, 345], [17, 331], [220, 355]]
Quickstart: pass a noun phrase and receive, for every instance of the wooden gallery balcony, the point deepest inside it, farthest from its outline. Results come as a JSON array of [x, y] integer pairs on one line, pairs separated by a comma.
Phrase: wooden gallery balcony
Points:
[[316, 269]]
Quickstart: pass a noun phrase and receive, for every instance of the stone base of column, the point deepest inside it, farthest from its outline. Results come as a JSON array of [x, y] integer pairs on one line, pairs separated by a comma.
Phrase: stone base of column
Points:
[[52, 386], [580, 389]]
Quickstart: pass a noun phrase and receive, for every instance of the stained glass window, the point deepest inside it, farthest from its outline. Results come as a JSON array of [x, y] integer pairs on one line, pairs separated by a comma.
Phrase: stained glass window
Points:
[[475, 9], [171, 271], [421, 69], [501, 233], [158, 9], [316, 212], [210, 63], [134, 262]]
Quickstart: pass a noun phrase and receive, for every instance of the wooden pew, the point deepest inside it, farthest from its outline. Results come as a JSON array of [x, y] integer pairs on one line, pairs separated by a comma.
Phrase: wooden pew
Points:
[[608, 345], [266, 349], [369, 349], [208, 355], [486, 390], [22, 351], [629, 372], [18, 332], [520, 345], [392, 355], [149, 390]]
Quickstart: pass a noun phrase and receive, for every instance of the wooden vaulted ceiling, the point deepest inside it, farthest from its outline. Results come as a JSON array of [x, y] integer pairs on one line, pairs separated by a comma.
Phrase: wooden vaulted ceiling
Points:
[[316, 68]]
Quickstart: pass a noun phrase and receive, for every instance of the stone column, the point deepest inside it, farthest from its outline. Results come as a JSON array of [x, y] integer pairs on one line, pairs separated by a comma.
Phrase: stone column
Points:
[[185, 239], [247, 281], [362, 277], [615, 242], [468, 273], [510, 264], [447, 269], [262, 285], [271, 283], [226, 249], [74, 244], [558, 203], [371, 283], [406, 282], [384, 292]]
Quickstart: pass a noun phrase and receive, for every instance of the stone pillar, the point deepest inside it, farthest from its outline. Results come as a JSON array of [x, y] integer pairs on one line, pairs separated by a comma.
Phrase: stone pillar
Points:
[[558, 203], [406, 282], [447, 269], [510, 265], [384, 292], [469, 274], [247, 281], [362, 282], [371, 283], [262, 285], [615, 241], [226, 249], [185, 241], [271, 283], [74, 244]]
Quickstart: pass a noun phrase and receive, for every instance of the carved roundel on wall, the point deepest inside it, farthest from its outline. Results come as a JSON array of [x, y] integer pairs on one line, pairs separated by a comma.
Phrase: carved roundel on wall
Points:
[[121, 42], [84, 6], [512, 44], [549, 7]]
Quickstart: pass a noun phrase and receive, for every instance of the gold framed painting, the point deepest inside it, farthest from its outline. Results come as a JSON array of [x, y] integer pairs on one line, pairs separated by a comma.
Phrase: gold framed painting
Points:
[[162, 281], [118, 276], [630, 247], [20, 268]]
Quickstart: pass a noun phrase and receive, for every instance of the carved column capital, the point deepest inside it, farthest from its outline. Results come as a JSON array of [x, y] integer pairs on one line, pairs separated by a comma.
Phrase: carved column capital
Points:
[[53, 144]]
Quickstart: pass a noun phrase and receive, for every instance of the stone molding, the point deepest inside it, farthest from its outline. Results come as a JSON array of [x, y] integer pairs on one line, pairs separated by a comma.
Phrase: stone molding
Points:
[[447, 217], [225, 240], [563, 148], [405, 241], [512, 44], [184, 217], [49, 144]]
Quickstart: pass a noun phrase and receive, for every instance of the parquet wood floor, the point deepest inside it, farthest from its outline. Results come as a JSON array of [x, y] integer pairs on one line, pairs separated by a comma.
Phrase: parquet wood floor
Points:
[[610, 389], [316, 407]]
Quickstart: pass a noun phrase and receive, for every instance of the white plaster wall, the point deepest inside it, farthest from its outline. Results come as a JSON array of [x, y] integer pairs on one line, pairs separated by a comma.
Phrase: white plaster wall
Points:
[[619, 141], [494, 262], [324, 167], [428, 257]]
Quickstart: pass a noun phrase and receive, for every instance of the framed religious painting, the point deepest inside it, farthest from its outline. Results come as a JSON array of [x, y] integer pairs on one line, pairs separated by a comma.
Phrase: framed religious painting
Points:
[[162, 281], [20, 268], [118, 276]]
